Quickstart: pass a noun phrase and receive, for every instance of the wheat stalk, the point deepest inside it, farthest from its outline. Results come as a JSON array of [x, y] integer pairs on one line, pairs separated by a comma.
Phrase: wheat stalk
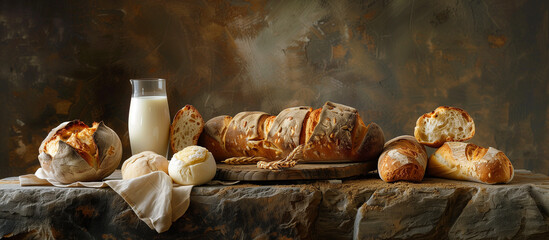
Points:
[[244, 160], [288, 162]]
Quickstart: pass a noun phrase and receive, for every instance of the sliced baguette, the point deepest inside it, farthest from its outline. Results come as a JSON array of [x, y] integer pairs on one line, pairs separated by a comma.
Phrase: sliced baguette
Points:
[[339, 135], [333, 133], [186, 128], [445, 124]]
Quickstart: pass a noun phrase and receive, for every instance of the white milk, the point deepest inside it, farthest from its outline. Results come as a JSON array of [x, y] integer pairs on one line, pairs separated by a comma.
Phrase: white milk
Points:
[[149, 124]]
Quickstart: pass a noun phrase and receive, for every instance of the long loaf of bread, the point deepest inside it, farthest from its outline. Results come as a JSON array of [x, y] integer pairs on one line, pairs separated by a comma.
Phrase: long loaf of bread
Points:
[[333, 133], [467, 161]]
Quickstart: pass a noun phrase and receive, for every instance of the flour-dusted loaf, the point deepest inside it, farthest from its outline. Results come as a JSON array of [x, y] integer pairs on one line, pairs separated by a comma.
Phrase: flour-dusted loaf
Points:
[[333, 133], [75, 152], [186, 128], [244, 132], [287, 130], [444, 124], [467, 161], [403, 159]]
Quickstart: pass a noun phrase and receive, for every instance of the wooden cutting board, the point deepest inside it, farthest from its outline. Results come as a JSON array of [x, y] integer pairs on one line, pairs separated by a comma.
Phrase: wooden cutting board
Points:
[[301, 171]]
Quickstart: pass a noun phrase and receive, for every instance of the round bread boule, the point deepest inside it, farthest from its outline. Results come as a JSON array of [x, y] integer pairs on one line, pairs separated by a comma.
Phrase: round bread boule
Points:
[[144, 163], [74, 152], [194, 165]]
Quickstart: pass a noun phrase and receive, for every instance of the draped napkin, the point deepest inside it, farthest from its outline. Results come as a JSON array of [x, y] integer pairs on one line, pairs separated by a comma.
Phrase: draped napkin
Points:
[[155, 199]]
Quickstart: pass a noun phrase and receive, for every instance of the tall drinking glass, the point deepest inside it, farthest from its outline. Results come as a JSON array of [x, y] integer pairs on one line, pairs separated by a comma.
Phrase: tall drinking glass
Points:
[[149, 118]]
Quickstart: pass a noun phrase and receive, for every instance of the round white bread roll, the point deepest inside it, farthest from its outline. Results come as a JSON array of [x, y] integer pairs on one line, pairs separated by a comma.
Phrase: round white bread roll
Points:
[[144, 163], [194, 165]]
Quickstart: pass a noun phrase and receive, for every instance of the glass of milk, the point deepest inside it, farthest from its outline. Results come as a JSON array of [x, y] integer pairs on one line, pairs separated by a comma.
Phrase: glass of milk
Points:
[[149, 118]]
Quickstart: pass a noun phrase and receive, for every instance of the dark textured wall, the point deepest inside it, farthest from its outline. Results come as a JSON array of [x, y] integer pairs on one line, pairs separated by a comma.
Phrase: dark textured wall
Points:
[[392, 60]]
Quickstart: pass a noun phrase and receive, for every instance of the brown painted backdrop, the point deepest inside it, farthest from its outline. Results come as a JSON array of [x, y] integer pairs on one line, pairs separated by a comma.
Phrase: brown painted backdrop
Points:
[[392, 60]]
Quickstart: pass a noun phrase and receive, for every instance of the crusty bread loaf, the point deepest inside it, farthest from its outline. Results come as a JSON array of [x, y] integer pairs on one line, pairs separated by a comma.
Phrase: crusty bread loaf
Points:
[[77, 135], [333, 133], [445, 124], [403, 159], [75, 152], [186, 128], [467, 161]]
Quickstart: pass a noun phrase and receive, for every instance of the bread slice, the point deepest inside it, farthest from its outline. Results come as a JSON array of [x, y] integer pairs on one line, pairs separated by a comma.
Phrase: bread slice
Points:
[[243, 128], [467, 161], [287, 127], [445, 124], [186, 128]]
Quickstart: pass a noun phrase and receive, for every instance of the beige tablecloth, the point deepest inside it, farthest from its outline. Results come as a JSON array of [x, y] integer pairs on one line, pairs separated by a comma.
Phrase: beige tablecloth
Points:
[[155, 199]]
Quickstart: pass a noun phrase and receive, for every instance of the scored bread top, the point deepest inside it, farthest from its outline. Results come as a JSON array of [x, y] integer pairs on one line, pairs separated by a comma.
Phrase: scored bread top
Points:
[[408, 145], [287, 127], [444, 124], [403, 158], [217, 126], [331, 138], [333, 133], [77, 135], [244, 127]]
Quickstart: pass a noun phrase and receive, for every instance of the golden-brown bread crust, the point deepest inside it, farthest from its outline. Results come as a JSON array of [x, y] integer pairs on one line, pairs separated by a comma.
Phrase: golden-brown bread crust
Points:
[[260, 146], [267, 125], [331, 138], [409, 172], [80, 137], [359, 132], [421, 134], [285, 132], [372, 143], [212, 136], [467, 161], [311, 123], [333, 133], [402, 159], [243, 128]]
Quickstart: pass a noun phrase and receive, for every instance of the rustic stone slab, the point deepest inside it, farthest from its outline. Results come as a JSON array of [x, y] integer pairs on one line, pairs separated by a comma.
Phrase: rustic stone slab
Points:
[[356, 208]]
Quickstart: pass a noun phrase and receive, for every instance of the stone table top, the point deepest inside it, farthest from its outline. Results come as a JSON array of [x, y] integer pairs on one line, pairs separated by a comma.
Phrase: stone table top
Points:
[[360, 208]]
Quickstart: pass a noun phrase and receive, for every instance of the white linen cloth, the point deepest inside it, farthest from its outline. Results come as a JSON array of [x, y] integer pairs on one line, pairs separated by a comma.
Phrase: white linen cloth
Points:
[[155, 199]]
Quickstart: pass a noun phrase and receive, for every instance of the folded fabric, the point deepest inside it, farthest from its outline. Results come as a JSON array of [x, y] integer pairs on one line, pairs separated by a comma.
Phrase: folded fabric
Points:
[[39, 178], [154, 198]]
